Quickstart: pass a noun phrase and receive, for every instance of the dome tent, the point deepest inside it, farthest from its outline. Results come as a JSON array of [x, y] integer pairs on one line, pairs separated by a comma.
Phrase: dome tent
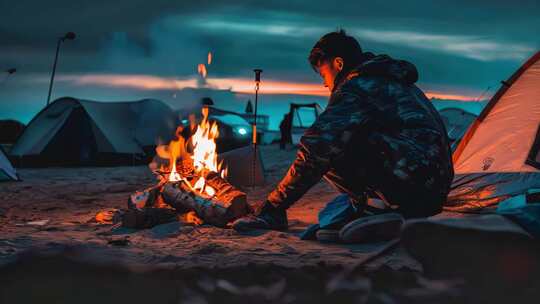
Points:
[[72, 131], [499, 156], [303, 115]]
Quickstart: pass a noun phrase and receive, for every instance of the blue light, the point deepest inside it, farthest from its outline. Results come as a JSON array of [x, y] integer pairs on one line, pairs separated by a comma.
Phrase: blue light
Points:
[[242, 131]]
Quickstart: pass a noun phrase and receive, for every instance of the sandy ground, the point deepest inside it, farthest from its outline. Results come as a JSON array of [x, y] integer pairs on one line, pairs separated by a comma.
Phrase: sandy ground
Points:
[[53, 251], [66, 200]]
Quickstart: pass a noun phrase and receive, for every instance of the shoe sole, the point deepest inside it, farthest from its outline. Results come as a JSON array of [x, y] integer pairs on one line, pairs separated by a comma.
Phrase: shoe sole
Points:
[[382, 227], [328, 236]]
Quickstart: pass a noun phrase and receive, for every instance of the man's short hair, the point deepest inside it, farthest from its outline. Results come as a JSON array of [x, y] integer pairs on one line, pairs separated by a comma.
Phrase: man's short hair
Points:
[[336, 44]]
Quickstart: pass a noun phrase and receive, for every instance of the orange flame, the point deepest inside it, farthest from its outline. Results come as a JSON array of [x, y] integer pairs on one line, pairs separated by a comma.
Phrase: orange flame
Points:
[[204, 145], [203, 157], [175, 150], [204, 153]]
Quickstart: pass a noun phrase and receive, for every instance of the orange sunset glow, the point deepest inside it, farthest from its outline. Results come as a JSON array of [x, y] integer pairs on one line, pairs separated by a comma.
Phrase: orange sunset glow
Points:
[[236, 85]]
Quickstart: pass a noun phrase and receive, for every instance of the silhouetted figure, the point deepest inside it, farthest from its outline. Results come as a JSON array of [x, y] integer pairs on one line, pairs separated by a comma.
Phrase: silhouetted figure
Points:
[[249, 107], [285, 127]]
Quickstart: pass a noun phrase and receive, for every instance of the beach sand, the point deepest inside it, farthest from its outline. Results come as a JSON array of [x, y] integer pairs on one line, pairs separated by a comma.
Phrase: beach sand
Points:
[[52, 250]]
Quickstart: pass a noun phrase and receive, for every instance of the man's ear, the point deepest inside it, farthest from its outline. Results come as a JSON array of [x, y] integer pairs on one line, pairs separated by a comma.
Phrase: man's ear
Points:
[[338, 63]]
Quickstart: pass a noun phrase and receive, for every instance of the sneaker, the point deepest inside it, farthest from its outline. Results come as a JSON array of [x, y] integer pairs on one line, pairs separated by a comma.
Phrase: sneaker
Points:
[[372, 228], [328, 236], [267, 218]]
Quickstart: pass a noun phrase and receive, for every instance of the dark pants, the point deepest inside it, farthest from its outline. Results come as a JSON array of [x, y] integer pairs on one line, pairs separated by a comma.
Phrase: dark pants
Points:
[[409, 199]]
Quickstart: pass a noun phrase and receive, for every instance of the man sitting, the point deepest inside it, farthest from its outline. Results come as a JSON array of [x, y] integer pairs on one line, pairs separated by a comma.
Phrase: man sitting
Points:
[[379, 136]]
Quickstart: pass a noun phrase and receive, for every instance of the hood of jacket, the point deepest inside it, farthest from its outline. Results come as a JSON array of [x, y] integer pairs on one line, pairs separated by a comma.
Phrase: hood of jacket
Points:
[[383, 66]]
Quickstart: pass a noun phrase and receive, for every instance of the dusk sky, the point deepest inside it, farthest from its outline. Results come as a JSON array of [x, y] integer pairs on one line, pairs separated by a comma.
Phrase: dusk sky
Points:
[[129, 50]]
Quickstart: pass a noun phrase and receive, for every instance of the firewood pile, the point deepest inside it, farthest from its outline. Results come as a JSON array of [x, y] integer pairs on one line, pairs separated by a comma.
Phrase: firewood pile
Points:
[[192, 184], [169, 201]]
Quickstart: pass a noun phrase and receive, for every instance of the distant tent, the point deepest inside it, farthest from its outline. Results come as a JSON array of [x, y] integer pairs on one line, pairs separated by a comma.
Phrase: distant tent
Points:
[[72, 131], [7, 172], [499, 155], [303, 116], [472, 107], [456, 121]]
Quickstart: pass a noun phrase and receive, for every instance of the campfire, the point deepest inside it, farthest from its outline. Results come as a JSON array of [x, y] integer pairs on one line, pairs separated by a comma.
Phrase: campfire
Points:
[[192, 184], [193, 168], [191, 180]]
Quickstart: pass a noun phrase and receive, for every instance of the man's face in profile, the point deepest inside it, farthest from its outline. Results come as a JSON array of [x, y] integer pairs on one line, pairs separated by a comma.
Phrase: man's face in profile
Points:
[[328, 70]]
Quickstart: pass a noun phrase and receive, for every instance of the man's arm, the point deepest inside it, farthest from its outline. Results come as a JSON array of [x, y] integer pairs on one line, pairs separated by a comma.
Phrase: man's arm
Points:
[[320, 145]]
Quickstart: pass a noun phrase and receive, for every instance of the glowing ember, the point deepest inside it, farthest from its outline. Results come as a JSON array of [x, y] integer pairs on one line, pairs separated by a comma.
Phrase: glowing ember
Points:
[[191, 217], [201, 68]]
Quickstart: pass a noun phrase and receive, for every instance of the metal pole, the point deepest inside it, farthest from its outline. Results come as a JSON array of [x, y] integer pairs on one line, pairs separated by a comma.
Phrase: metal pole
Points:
[[254, 130], [54, 69]]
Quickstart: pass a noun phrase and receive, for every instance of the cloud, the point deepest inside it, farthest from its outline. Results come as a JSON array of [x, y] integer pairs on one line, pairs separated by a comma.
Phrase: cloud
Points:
[[468, 46], [132, 49], [474, 47], [265, 28]]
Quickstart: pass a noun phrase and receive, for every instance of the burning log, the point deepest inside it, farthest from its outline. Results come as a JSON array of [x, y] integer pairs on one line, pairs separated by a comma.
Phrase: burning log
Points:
[[192, 183], [226, 205], [146, 198]]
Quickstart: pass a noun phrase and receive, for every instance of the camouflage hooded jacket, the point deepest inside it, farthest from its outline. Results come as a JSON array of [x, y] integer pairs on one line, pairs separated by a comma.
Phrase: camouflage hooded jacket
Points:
[[378, 128]]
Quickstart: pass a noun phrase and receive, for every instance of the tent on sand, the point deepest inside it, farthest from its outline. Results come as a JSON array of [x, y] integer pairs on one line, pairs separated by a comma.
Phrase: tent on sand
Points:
[[499, 156], [72, 131]]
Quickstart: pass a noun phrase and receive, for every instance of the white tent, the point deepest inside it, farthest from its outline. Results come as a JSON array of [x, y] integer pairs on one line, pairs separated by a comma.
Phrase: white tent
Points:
[[74, 131], [7, 172], [498, 156]]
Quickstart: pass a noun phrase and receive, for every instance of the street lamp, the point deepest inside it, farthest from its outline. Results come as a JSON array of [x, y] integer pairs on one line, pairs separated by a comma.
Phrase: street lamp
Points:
[[67, 36]]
